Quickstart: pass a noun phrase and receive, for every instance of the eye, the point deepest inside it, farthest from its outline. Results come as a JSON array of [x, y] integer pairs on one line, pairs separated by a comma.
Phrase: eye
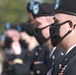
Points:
[[55, 20]]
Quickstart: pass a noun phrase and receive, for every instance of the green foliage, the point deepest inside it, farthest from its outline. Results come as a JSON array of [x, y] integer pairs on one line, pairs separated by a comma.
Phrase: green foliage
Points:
[[13, 11]]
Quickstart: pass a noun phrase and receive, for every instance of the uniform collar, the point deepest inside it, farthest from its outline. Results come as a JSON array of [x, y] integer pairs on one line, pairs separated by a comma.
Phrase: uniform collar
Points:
[[52, 51], [70, 49]]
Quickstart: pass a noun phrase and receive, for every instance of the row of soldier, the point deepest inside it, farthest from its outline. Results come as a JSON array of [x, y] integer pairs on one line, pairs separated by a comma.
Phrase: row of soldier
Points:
[[46, 45]]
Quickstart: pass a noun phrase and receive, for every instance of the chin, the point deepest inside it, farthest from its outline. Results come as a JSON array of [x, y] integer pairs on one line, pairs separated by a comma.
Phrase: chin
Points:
[[59, 45], [46, 44]]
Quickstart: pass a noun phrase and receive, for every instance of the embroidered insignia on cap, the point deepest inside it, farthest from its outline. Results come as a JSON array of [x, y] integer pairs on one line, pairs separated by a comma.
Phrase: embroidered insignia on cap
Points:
[[36, 9], [31, 5], [57, 4]]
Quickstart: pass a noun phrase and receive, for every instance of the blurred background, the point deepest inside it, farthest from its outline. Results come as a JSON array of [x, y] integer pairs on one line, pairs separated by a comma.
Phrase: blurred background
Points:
[[14, 11]]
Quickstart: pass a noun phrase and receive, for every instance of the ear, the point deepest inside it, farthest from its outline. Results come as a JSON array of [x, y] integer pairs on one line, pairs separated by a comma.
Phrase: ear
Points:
[[71, 25]]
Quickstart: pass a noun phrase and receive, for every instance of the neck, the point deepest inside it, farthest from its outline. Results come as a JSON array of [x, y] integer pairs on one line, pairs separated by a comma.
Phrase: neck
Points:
[[32, 44], [67, 46], [49, 45]]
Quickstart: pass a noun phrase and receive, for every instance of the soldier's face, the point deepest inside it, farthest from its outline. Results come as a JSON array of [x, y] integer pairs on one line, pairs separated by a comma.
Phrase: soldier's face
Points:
[[43, 22], [59, 29], [60, 18]]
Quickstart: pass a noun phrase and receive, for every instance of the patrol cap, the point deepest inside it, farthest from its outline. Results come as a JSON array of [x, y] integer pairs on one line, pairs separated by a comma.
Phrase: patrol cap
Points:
[[66, 6], [45, 9], [30, 5]]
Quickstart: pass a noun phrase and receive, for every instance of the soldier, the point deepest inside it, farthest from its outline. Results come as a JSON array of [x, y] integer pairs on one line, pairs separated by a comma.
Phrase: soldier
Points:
[[12, 35], [2, 37], [36, 58], [43, 14], [39, 54], [63, 32], [29, 9]]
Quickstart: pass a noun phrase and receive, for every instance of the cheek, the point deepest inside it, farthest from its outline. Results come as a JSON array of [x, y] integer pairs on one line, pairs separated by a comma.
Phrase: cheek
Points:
[[45, 32], [63, 30], [16, 37]]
